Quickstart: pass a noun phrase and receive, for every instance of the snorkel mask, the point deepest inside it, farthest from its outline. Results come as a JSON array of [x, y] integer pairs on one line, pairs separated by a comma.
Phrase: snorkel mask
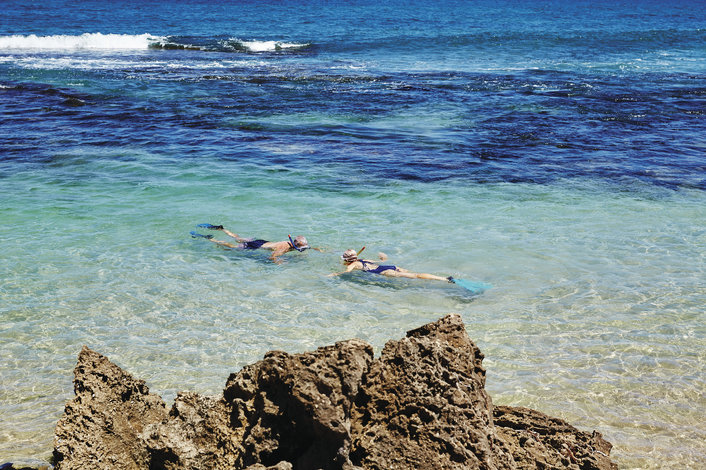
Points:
[[350, 256], [300, 249]]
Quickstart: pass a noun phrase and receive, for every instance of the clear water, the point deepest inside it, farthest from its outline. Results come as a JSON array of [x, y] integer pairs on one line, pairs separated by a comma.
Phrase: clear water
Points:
[[552, 149]]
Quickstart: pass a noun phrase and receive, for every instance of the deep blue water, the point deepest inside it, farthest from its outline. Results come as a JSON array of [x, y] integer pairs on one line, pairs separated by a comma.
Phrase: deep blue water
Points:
[[554, 149], [518, 92]]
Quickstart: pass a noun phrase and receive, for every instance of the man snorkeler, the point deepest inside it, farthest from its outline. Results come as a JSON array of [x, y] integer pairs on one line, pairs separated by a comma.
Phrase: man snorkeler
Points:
[[298, 243]]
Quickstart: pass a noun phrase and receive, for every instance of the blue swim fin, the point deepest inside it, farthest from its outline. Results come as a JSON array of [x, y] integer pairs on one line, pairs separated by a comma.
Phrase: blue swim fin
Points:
[[472, 286], [211, 227], [198, 235]]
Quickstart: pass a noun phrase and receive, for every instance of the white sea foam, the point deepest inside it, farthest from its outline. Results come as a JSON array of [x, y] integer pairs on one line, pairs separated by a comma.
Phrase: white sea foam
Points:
[[269, 46], [83, 41], [100, 41]]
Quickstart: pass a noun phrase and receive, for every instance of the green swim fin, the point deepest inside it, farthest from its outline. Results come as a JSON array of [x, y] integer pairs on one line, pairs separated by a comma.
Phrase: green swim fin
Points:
[[472, 286]]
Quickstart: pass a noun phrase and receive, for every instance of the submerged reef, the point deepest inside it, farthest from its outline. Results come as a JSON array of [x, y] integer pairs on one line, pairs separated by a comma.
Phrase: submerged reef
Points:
[[421, 405]]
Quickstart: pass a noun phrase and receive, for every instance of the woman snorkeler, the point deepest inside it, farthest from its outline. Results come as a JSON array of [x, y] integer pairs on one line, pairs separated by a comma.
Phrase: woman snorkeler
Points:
[[352, 262]]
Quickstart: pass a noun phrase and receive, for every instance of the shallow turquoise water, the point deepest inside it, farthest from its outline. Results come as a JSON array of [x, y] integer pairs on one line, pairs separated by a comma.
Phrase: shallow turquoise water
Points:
[[596, 314]]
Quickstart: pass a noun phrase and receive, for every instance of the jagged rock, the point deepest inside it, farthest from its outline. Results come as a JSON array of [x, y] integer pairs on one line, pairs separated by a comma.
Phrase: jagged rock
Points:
[[101, 426], [540, 441], [421, 405], [196, 434], [297, 407], [279, 466]]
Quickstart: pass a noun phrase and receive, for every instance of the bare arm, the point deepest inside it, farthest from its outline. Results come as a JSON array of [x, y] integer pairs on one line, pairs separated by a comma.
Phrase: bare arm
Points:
[[279, 251], [349, 268]]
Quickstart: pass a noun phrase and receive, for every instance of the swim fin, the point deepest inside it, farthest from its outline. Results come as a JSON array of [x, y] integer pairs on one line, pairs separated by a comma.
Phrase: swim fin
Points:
[[472, 286], [198, 235], [211, 227]]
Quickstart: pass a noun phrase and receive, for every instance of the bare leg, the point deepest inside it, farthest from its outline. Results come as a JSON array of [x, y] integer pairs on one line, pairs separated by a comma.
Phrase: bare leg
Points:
[[432, 277], [234, 235], [411, 275], [222, 243]]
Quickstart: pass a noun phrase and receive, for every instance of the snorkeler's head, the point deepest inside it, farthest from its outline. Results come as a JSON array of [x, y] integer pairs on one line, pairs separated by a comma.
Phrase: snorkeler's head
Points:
[[349, 256], [300, 243]]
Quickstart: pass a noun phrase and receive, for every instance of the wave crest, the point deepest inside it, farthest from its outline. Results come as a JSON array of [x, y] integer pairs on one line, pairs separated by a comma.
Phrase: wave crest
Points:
[[226, 45], [96, 41], [83, 41], [269, 46]]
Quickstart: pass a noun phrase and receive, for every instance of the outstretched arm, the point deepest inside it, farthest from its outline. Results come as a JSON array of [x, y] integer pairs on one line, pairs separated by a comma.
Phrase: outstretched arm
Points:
[[349, 268]]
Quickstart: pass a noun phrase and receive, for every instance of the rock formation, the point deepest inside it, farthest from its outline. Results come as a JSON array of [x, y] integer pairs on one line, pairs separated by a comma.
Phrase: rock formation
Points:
[[421, 405]]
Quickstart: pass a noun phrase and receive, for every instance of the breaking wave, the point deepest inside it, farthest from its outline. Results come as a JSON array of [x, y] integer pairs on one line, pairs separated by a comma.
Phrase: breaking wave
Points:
[[227, 44], [100, 41], [80, 42]]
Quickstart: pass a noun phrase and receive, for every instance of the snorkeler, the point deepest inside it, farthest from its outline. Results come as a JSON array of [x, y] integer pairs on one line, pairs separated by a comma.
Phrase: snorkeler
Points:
[[352, 262], [299, 243]]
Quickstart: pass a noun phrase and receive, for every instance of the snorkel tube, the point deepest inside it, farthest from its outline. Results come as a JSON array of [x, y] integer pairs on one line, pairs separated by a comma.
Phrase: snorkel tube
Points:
[[291, 242]]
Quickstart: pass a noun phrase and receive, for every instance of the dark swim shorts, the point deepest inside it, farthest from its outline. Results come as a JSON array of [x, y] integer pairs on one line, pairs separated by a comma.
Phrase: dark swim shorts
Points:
[[253, 244]]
